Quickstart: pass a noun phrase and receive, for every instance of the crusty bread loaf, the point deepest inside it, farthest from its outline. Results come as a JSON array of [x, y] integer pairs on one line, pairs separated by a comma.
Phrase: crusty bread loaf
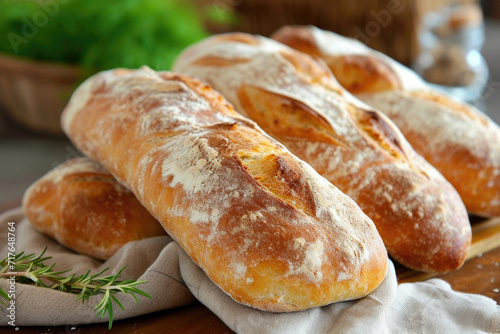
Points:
[[460, 141], [296, 100], [356, 72], [263, 225], [83, 207]]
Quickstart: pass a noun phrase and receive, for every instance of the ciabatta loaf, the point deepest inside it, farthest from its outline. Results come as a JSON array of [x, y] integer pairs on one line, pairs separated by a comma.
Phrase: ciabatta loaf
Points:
[[84, 208], [263, 225], [295, 99], [459, 140]]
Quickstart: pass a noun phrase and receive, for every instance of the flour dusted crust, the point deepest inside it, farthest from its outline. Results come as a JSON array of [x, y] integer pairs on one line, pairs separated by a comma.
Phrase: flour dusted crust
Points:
[[295, 99], [456, 138], [461, 142], [263, 225], [83, 207], [357, 67]]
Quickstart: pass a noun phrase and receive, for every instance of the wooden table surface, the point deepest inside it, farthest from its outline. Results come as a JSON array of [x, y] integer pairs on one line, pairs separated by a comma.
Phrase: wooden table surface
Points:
[[480, 274]]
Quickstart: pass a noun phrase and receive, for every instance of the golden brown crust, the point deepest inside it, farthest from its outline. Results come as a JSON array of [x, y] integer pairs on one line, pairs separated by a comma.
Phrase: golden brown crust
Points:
[[297, 101], [446, 102], [299, 38], [462, 144], [263, 225], [356, 73], [84, 208], [361, 73], [238, 37]]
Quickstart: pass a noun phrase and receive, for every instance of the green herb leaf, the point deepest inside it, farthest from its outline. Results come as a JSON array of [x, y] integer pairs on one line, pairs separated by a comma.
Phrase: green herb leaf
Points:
[[3, 295], [99, 35], [30, 268]]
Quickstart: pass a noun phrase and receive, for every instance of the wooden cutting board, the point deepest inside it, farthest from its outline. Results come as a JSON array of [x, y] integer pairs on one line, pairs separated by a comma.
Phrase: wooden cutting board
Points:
[[480, 274]]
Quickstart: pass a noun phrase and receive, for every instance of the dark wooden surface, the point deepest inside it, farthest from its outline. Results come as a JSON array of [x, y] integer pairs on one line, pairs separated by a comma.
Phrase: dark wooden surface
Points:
[[480, 274], [194, 318]]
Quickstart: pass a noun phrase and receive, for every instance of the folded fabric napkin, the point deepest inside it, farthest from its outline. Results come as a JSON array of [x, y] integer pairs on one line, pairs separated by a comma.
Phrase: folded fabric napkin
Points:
[[174, 280]]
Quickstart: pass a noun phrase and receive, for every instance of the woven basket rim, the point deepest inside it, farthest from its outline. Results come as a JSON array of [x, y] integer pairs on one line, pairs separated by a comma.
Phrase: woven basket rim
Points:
[[19, 66]]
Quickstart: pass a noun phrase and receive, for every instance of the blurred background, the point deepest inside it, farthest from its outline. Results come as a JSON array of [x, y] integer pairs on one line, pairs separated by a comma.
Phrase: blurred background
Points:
[[48, 47]]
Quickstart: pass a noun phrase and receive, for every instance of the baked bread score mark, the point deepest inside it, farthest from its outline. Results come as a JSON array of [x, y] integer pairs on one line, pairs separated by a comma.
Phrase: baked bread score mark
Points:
[[356, 73], [296, 100], [265, 227], [363, 74], [281, 124], [456, 138]]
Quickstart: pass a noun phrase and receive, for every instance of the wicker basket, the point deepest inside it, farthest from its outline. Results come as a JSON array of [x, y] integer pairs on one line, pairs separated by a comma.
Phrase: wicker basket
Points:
[[397, 36], [35, 93]]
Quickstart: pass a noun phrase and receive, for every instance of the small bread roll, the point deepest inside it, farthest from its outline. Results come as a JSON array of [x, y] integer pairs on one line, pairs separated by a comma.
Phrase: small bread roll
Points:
[[83, 207]]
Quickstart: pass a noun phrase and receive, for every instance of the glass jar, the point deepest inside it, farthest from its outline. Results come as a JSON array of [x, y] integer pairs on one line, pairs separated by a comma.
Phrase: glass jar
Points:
[[450, 51]]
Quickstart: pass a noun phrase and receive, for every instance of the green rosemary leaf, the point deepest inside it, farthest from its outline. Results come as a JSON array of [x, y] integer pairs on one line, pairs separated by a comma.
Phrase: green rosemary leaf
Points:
[[3, 295], [96, 276], [101, 307], [140, 292], [64, 280], [135, 297], [110, 314], [118, 302], [30, 268]]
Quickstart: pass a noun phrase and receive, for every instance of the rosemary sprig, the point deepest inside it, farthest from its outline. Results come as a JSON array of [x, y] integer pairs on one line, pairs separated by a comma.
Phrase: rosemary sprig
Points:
[[30, 268]]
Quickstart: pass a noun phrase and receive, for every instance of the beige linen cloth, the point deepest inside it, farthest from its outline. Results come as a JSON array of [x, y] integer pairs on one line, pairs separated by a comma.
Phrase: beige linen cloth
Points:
[[175, 280]]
